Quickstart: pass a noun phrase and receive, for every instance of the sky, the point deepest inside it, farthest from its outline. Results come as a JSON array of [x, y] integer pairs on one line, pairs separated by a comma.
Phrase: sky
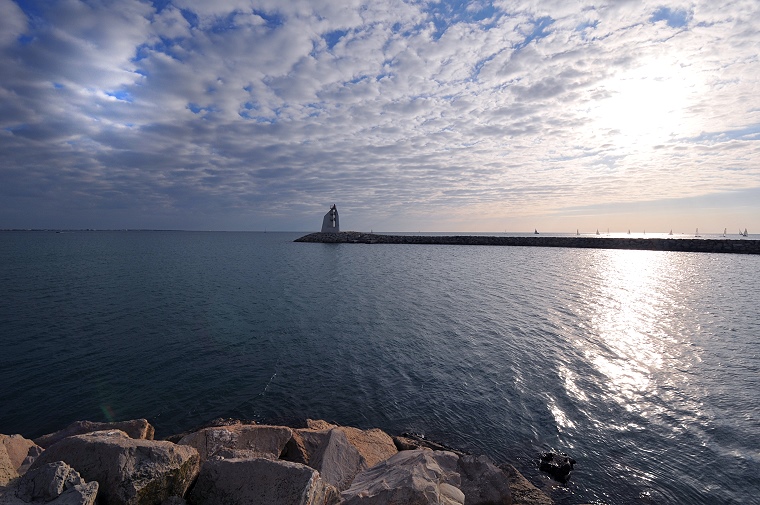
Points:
[[504, 115]]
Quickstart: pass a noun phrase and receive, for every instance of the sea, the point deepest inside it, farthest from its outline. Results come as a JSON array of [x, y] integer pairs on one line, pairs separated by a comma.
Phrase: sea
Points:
[[643, 366]]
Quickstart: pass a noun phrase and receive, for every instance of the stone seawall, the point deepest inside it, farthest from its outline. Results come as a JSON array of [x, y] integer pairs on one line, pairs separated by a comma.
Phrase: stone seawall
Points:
[[647, 244], [236, 462]]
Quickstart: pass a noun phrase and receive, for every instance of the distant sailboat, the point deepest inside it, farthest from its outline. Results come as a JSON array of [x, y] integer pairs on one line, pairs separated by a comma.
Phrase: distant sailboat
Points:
[[597, 231], [577, 233], [696, 233], [629, 231], [743, 234], [535, 231], [671, 232], [724, 231]]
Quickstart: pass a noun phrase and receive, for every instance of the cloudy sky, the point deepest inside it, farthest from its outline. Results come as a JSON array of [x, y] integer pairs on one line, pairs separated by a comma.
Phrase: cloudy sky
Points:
[[408, 114]]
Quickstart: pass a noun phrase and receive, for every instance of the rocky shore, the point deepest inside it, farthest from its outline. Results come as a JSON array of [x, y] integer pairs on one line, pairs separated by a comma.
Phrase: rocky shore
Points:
[[232, 462], [648, 244]]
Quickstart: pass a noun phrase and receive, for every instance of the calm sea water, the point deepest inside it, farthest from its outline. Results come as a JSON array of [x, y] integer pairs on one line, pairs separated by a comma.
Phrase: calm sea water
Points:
[[644, 366]]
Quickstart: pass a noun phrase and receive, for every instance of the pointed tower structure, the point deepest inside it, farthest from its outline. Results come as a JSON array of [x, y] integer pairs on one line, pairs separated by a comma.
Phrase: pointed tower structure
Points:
[[331, 223]]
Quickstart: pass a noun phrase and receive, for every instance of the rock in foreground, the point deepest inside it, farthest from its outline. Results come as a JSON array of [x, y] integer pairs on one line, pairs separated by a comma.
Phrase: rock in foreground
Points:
[[237, 463], [260, 440], [58, 484], [129, 471], [135, 428], [260, 481]]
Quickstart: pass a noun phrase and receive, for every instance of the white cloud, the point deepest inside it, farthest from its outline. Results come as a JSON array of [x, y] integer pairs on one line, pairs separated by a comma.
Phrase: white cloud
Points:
[[12, 22], [529, 110]]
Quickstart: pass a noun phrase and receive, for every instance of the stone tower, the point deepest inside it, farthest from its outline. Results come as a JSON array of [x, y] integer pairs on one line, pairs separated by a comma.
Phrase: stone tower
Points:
[[331, 223]]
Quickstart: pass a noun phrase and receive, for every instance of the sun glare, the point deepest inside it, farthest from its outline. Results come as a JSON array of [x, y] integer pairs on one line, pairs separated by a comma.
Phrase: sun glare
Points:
[[624, 315], [646, 105]]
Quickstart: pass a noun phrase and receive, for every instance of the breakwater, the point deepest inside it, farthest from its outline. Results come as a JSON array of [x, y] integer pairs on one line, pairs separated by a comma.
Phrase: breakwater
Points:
[[644, 244], [235, 462]]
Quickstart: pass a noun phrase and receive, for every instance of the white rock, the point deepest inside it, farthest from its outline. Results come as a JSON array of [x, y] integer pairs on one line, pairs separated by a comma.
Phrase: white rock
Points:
[[418, 477]]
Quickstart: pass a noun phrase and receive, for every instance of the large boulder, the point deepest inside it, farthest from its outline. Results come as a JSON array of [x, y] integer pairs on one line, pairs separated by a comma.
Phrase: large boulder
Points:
[[558, 465], [136, 428], [56, 483], [374, 445], [418, 477], [8, 470], [259, 440], [338, 452], [329, 452], [20, 451], [482, 482], [130, 471], [260, 481]]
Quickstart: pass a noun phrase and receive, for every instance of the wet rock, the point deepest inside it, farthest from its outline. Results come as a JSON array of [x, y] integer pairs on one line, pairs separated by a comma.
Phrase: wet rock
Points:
[[522, 491], [482, 482], [417, 477], [129, 471], [558, 465], [260, 481], [420, 442], [174, 500], [136, 428], [403, 443], [266, 441]]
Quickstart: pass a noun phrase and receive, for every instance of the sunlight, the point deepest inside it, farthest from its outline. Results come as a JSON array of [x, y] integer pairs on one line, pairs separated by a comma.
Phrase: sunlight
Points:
[[624, 314], [646, 105]]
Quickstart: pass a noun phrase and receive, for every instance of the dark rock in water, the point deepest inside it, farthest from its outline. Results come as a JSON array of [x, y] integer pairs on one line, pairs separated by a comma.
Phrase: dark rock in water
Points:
[[558, 466], [418, 441]]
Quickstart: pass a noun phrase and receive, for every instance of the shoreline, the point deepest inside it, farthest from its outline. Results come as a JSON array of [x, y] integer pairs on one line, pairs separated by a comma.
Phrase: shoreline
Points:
[[726, 246], [238, 462]]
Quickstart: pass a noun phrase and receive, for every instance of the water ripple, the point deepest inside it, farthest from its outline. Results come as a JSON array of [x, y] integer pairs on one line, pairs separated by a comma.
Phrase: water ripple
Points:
[[643, 365]]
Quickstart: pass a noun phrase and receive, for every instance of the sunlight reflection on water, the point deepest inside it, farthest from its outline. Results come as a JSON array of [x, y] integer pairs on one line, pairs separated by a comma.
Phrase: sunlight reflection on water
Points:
[[637, 338]]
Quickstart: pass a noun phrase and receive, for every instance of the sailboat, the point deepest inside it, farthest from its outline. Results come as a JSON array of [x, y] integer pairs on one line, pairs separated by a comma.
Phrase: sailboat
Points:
[[577, 233], [671, 232], [696, 233], [724, 231], [535, 231], [629, 231], [744, 234], [597, 231]]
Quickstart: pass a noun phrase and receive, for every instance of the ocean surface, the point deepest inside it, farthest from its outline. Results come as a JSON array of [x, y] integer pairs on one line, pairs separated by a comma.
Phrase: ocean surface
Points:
[[643, 366]]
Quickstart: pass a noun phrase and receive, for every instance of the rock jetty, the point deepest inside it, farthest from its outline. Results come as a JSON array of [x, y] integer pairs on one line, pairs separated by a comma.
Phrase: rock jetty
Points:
[[647, 244], [231, 462]]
